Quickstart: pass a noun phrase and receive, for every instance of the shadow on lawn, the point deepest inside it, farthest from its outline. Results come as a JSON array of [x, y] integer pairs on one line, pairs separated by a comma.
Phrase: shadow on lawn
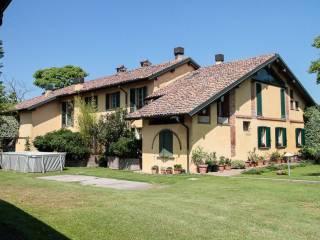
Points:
[[16, 224], [316, 174]]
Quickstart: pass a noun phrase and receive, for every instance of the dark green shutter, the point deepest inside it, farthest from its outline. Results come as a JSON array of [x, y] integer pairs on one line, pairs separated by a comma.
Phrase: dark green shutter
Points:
[[161, 142], [259, 136], [284, 136], [144, 95], [132, 99], [283, 103], [277, 136], [63, 113], [259, 99], [118, 99], [303, 141], [268, 137], [297, 135], [107, 101]]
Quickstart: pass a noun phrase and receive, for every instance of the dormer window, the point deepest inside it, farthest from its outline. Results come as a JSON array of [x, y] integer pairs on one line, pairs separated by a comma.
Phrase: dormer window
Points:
[[204, 115]]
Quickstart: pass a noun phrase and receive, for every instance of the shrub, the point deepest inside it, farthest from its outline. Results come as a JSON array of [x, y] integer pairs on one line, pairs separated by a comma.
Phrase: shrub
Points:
[[311, 153], [237, 164], [177, 166], [198, 156], [63, 141], [275, 156], [125, 147]]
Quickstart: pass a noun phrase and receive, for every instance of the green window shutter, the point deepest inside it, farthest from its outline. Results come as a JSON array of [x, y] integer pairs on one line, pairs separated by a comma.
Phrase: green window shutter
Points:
[[145, 94], [132, 99], [284, 136], [96, 101], [268, 137], [283, 103], [63, 113], [118, 99], [165, 143], [297, 137], [259, 136], [277, 136], [107, 101], [259, 99], [303, 141]]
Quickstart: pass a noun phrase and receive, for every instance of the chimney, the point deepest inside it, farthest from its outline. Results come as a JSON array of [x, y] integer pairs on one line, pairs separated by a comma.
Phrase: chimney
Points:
[[219, 58], [121, 68], [145, 63], [178, 52]]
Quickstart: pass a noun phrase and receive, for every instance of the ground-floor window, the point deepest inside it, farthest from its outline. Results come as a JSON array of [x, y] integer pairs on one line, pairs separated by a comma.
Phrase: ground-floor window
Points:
[[165, 143], [281, 137], [264, 138], [300, 138]]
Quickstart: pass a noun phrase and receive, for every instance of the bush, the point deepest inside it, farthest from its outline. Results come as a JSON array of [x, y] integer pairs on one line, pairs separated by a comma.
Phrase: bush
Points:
[[125, 147], [255, 171], [238, 164], [311, 153], [63, 141]]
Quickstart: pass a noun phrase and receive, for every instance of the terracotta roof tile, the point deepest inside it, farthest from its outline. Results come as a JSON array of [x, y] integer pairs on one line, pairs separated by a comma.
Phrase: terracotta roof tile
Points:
[[186, 94], [109, 81]]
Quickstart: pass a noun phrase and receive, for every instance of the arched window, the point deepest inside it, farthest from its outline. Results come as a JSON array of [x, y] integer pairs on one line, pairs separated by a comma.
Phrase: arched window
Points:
[[165, 143]]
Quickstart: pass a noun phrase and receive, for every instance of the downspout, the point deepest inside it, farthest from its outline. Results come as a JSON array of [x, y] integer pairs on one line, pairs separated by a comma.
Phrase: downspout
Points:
[[188, 143]]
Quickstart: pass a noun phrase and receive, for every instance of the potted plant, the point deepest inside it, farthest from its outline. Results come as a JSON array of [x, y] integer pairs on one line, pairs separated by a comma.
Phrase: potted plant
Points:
[[227, 164], [177, 168], [155, 169], [275, 157], [261, 160], [247, 164], [253, 158], [163, 170], [211, 161], [198, 158], [222, 162], [169, 170]]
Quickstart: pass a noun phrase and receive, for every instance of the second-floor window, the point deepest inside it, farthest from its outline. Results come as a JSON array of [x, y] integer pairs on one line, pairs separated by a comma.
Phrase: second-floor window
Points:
[[204, 115], [93, 100], [67, 110], [283, 103], [137, 96], [259, 99], [223, 109], [113, 100]]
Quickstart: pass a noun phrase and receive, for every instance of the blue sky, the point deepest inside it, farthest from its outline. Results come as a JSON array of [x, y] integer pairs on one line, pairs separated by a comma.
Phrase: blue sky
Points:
[[98, 35]]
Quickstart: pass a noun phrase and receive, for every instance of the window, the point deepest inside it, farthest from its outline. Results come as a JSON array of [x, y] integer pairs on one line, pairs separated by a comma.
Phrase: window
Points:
[[297, 105], [204, 115], [291, 104], [246, 126], [223, 108], [137, 96], [92, 100], [283, 103], [259, 99], [67, 111], [264, 138], [281, 137], [165, 143], [300, 137], [291, 93], [113, 100]]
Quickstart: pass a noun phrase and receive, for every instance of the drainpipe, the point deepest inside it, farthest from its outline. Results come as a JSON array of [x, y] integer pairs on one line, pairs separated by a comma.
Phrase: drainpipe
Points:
[[126, 96], [188, 142]]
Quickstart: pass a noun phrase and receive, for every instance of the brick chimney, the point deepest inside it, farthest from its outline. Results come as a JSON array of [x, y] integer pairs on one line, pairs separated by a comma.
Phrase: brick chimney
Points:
[[178, 52], [121, 68], [219, 58], [145, 63]]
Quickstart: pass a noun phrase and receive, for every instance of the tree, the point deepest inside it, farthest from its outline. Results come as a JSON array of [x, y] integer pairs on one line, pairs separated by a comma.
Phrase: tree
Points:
[[315, 65], [58, 77], [1, 53]]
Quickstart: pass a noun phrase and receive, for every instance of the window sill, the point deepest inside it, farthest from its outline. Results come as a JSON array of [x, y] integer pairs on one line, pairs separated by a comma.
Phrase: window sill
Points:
[[264, 148], [281, 147]]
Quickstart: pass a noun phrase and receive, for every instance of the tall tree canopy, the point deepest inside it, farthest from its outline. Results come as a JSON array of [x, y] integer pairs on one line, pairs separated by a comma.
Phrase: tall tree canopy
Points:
[[1, 54], [59, 77], [315, 65]]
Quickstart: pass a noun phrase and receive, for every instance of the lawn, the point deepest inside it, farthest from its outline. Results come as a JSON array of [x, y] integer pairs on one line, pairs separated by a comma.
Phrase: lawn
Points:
[[206, 208], [308, 172]]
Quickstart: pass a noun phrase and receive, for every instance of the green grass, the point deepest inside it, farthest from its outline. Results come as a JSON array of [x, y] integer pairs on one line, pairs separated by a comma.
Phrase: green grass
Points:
[[208, 208], [308, 172]]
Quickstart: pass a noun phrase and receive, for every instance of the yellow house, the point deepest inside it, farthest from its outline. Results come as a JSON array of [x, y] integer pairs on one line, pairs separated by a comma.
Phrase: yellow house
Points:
[[55, 109], [229, 108]]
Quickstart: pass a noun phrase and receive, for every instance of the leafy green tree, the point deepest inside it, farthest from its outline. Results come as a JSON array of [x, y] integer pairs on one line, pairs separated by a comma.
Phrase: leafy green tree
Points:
[[315, 65], [59, 77], [1, 53]]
